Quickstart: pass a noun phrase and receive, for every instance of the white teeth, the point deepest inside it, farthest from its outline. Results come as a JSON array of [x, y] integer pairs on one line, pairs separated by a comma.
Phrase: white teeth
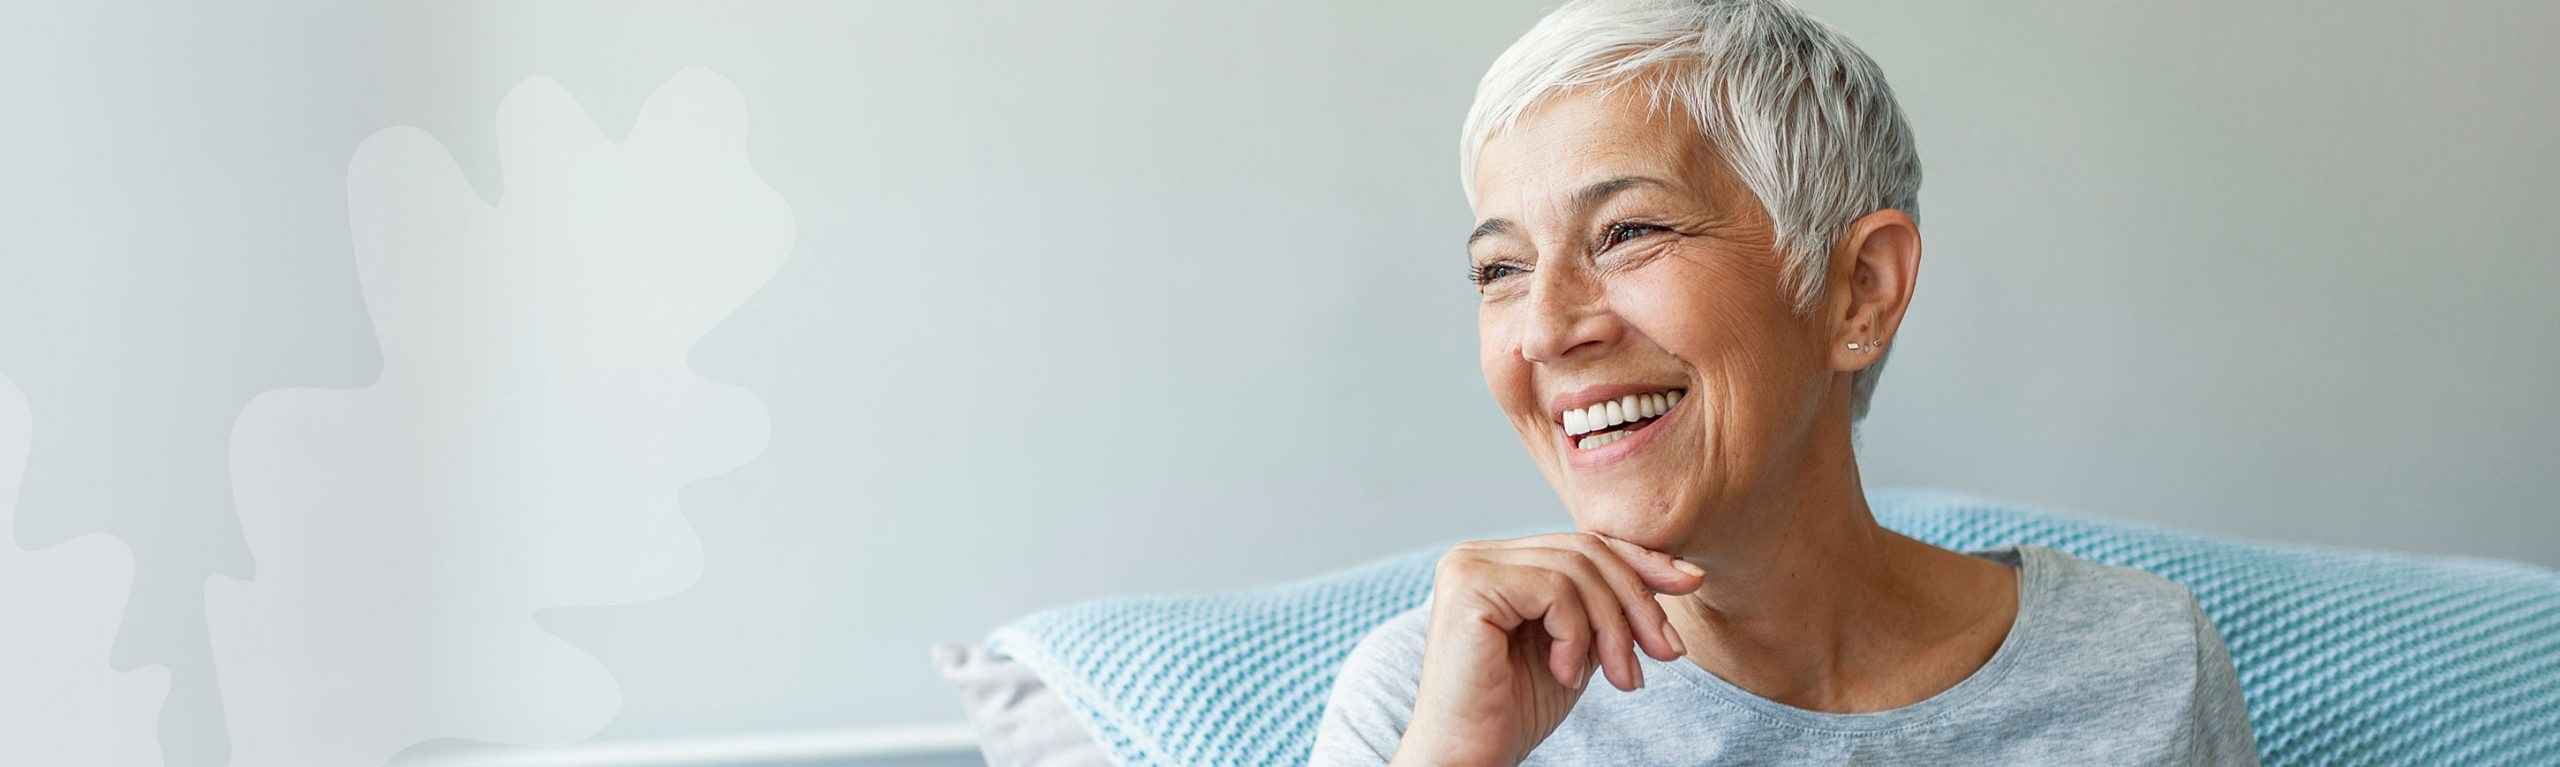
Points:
[[1633, 407], [1600, 440]]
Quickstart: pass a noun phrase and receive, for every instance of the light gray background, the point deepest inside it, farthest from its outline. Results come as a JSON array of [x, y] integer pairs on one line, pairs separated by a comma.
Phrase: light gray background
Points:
[[1124, 295]]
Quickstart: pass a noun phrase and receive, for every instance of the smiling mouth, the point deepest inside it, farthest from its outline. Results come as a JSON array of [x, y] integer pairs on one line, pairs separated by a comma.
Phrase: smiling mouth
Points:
[[1594, 427]]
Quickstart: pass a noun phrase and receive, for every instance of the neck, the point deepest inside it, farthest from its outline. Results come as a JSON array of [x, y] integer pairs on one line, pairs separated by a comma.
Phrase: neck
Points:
[[1806, 595]]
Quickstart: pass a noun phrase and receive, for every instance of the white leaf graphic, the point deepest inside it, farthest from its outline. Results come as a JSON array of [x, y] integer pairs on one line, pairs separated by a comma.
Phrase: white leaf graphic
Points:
[[524, 445], [60, 703]]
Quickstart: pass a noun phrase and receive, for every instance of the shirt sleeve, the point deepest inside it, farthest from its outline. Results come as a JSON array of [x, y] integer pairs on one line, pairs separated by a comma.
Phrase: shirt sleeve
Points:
[[1372, 699], [2221, 734]]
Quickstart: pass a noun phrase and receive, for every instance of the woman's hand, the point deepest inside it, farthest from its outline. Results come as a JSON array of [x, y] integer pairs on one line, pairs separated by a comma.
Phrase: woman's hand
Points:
[[1516, 628]]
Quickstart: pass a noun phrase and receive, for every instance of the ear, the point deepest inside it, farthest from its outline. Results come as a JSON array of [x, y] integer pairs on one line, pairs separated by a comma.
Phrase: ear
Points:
[[1871, 281]]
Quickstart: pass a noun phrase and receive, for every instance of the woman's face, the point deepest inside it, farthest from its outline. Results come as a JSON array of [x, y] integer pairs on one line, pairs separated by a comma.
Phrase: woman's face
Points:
[[1617, 257]]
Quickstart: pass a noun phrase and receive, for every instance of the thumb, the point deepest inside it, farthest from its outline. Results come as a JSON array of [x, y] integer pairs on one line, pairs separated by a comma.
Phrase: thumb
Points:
[[1664, 573]]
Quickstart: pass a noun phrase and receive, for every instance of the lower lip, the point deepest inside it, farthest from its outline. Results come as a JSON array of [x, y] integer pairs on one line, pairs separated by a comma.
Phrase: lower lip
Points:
[[1615, 452]]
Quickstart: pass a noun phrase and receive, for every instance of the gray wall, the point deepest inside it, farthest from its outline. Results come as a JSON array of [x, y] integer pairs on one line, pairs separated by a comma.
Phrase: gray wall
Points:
[[1111, 296]]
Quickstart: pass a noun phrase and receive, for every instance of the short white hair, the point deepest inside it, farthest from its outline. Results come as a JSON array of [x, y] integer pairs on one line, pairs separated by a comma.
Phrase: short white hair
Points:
[[1789, 104]]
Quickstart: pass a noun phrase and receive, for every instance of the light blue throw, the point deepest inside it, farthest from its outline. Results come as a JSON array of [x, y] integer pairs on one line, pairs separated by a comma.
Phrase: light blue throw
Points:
[[2346, 657]]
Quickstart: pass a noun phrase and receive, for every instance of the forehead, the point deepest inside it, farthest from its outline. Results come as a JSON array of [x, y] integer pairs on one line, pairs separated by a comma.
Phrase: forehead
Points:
[[1582, 136]]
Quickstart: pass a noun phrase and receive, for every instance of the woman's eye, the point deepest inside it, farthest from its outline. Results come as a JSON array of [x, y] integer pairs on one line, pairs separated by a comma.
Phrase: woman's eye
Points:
[[1480, 275], [1622, 232]]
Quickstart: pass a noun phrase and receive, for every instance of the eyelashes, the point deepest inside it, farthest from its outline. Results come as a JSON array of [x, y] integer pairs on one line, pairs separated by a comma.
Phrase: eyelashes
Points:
[[1618, 233], [1486, 274], [1625, 231]]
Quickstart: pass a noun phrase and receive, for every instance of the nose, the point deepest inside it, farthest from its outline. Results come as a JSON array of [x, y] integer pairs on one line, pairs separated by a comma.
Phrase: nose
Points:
[[1568, 313]]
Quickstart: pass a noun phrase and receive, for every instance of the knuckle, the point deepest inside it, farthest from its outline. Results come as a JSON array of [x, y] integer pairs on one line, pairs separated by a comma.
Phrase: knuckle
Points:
[[1580, 543], [1591, 568], [1456, 566], [1557, 580], [1598, 549], [1591, 571]]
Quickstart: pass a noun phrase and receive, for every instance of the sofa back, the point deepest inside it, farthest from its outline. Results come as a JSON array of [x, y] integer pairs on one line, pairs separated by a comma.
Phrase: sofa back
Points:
[[2345, 657]]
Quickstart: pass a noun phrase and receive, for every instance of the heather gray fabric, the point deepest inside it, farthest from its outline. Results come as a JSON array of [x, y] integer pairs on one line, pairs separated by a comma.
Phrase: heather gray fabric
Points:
[[2103, 665], [1020, 722]]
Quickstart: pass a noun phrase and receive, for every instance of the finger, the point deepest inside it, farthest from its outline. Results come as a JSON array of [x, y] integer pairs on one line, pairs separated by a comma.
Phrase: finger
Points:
[[1620, 560], [1566, 664], [1662, 572], [1608, 616], [1508, 597], [1561, 615], [1613, 640], [1652, 628]]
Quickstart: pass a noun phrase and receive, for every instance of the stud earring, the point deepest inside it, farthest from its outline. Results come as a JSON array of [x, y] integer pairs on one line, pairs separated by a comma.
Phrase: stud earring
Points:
[[1853, 346]]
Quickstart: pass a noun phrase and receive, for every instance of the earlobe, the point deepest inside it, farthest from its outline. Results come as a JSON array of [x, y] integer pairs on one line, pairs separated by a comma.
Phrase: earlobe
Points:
[[1883, 251]]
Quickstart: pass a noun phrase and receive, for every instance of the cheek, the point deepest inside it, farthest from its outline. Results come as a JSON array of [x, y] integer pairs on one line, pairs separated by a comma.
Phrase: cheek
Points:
[[1693, 313], [1505, 373], [1728, 325]]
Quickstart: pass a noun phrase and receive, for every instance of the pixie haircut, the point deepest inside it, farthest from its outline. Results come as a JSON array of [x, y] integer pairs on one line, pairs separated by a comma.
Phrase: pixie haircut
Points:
[[1794, 110]]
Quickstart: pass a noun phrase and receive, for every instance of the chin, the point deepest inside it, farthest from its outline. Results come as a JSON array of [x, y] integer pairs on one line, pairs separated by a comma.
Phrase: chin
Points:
[[1644, 522]]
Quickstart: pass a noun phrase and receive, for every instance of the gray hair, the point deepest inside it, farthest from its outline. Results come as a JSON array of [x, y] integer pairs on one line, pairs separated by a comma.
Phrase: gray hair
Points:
[[1793, 108]]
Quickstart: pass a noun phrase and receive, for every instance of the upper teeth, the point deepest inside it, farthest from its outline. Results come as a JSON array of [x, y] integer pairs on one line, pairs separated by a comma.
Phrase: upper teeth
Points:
[[1633, 407]]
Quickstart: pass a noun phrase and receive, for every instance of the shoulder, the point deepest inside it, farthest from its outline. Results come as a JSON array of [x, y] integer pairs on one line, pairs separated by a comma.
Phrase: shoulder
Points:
[[2138, 627], [2136, 605], [2123, 631], [1373, 692], [2135, 641], [2081, 576]]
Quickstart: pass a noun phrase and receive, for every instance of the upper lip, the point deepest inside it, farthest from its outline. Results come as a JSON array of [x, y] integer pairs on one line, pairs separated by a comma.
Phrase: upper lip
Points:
[[1586, 397]]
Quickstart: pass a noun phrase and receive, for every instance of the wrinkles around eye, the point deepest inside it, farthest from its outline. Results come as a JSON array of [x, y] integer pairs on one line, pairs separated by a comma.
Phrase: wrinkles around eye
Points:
[[1636, 253]]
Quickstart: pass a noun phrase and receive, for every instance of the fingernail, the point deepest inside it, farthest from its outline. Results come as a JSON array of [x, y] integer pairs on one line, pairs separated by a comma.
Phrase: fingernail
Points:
[[1677, 646], [1686, 566]]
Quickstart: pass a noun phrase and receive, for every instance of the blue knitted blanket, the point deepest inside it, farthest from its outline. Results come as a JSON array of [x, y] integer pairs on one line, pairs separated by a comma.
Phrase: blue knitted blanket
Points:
[[2346, 657]]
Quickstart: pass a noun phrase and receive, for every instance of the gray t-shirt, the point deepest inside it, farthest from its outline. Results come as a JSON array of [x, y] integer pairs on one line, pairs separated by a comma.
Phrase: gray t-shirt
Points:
[[2103, 665]]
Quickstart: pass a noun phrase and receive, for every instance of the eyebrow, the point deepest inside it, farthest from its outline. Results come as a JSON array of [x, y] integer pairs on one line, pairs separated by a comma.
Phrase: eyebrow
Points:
[[1582, 200]]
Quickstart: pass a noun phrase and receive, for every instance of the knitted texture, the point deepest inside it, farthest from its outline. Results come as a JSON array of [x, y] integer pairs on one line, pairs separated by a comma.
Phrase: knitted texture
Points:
[[2345, 657]]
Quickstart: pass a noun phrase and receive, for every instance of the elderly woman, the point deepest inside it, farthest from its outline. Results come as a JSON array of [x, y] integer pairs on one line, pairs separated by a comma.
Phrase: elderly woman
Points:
[[1695, 244]]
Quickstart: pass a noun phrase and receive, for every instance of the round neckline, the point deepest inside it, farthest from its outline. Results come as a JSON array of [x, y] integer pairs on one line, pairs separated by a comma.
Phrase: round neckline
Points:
[[2033, 573]]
